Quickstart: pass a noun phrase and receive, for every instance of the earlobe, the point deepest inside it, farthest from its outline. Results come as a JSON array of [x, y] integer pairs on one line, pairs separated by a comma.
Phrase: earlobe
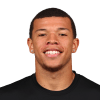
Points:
[[30, 45], [31, 50]]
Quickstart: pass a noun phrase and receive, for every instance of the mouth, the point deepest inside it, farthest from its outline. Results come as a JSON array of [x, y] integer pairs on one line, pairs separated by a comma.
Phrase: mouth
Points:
[[53, 55], [59, 51]]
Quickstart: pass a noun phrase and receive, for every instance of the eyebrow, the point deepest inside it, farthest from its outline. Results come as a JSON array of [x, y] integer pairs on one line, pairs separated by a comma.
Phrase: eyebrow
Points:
[[46, 29], [63, 29]]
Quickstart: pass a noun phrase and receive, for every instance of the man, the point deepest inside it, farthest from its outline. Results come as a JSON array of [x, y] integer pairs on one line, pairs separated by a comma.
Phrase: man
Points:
[[52, 40]]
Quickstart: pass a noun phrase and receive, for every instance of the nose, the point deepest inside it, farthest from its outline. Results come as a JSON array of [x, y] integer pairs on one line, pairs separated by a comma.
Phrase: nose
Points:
[[52, 39]]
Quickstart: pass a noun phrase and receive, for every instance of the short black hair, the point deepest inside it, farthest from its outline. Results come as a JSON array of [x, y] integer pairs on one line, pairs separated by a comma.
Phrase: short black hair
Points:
[[50, 12]]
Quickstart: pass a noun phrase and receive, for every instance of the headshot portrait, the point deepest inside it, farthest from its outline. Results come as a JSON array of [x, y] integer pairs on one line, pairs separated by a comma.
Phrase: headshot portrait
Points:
[[53, 39]]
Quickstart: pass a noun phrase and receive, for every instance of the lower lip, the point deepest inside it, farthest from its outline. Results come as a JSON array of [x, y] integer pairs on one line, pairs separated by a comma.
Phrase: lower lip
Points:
[[52, 55]]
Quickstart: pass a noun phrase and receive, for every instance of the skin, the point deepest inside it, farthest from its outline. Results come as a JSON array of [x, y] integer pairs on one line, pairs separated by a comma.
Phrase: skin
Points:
[[53, 73]]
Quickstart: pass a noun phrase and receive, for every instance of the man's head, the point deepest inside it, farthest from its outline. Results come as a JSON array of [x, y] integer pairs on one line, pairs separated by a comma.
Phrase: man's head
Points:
[[52, 39], [49, 13]]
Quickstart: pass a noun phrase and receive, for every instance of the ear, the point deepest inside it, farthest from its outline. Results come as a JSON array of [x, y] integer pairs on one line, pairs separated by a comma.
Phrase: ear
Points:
[[30, 45], [75, 45]]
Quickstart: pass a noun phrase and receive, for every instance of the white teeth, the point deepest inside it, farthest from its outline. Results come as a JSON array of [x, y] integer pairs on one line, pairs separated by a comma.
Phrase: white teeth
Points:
[[52, 52]]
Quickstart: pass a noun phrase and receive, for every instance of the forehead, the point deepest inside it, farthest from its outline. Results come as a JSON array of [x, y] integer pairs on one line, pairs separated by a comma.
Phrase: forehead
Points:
[[53, 22]]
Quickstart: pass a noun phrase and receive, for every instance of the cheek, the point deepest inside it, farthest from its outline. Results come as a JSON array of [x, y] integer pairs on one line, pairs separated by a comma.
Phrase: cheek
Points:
[[38, 44], [67, 45], [64, 42]]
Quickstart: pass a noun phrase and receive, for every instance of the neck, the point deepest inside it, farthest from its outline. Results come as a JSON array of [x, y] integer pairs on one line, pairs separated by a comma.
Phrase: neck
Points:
[[55, 81]]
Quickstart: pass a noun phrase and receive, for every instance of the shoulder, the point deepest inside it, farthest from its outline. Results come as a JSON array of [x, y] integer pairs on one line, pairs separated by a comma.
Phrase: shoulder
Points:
[[88, 86], [16, 88]]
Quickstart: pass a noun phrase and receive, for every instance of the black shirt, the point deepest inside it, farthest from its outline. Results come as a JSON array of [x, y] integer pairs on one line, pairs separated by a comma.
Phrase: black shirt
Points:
[[29, 89]]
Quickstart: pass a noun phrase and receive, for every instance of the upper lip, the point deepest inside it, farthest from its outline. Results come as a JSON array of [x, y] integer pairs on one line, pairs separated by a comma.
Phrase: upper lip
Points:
[[52, 49]]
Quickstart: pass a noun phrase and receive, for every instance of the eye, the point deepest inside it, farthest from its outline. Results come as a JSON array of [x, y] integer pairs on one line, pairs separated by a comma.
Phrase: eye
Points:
[[42, 34], [63, 34], [45, 34]]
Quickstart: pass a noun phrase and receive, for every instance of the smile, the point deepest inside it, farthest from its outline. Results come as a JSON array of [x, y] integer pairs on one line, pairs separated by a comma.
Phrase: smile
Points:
[[52, 55]]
